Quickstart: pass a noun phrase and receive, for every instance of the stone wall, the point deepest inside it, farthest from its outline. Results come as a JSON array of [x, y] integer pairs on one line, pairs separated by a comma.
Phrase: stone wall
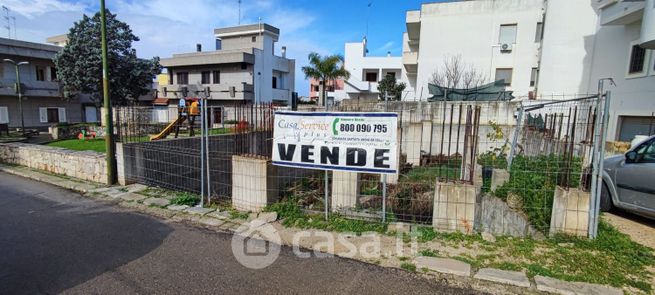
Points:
[[87, 165], [72, 131]]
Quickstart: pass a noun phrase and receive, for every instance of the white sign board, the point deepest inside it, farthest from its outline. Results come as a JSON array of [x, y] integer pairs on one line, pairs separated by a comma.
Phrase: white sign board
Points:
[[357, 142]]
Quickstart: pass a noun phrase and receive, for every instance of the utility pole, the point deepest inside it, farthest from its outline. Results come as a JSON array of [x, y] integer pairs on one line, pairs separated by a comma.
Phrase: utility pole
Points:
[[19, 90], [109, 127]]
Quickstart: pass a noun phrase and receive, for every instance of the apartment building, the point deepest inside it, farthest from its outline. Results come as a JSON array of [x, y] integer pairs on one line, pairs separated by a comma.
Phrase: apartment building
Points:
[[500, 39], [365, 72], [42, 102], [547, 50], [243, 68], [332, 86]]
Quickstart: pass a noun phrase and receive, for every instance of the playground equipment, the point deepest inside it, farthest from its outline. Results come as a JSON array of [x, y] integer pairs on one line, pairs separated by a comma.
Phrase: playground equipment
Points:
[[188, 109], [84, 135]]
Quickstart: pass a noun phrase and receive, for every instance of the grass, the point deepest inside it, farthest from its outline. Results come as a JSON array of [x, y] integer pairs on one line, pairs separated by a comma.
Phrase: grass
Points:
[[97, 145], [184, 198], [408, 266]]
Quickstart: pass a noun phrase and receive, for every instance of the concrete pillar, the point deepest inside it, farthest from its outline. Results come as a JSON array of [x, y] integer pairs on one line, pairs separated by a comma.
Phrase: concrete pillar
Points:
[[498, 178], [455, 206], [413, 142], [123, 166], [254, 183], [345, 190], [426, 135], [570, 212]]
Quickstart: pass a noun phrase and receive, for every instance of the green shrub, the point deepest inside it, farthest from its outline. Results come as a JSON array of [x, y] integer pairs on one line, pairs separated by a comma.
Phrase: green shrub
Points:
[[408, 266], [184, 198]]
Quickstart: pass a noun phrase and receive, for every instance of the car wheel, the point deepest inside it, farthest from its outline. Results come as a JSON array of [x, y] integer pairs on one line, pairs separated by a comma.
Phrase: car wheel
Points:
[[605, 199]]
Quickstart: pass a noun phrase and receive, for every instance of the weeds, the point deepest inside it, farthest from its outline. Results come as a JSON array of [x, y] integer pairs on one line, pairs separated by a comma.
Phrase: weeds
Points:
[[408, 266]]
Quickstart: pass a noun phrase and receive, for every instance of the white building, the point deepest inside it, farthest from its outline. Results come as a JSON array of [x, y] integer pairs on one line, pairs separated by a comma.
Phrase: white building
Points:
[[499, 38], [365, 72], [555, 49], [243, 68]]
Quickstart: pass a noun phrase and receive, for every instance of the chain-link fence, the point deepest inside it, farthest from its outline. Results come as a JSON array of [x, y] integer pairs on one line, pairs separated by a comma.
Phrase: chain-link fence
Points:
[[509, 168]]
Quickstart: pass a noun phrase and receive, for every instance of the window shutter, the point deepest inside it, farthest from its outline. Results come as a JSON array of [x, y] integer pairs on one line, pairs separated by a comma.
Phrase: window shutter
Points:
[[62, 115], [4, 115], [43, 115]]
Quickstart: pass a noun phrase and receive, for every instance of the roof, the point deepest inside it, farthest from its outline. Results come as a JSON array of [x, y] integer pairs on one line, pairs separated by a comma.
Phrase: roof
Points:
[[208, 58], [28, 49], [246, 30]]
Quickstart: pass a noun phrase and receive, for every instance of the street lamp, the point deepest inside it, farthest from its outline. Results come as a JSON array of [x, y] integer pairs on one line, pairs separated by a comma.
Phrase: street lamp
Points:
[[20, 95]]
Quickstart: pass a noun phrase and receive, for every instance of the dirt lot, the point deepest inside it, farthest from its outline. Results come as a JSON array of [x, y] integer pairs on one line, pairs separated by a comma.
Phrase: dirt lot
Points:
[[641, 230]]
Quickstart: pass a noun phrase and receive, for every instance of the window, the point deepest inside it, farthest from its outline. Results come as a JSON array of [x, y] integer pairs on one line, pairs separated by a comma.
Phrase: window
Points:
[[504, 74], [53, 74], [216, 75], [539, 34], [254, 39], [533, 77], [4, 115], [244, 66], [204, 77], [507, 34], [52, 115], [637, 60], [274, 82], [371, 77], [392, 74], [40, 73], [315, 87], [646, 152], [170, 78], [183, 78]]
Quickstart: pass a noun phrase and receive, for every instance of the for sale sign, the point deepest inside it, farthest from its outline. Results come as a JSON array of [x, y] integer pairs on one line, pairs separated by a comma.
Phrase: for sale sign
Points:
[[357, 142]]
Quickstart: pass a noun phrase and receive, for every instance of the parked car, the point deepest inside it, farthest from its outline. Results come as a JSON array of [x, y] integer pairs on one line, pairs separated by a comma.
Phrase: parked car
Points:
[[629, 180]]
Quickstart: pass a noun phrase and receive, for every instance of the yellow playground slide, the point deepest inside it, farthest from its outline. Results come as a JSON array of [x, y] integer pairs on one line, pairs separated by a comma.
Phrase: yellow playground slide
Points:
[[169, 128]]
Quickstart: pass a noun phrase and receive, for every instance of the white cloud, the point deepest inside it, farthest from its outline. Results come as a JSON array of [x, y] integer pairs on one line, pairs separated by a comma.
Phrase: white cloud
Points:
[[167, 26]]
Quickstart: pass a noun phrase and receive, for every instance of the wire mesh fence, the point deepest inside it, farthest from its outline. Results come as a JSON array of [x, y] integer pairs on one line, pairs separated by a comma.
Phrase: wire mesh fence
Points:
[[470, 166]]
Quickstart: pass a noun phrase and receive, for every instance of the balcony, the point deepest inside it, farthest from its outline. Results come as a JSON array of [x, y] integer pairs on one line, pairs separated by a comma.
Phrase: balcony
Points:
[[30, 88], [621, 12], [217, 91], [413, 21], [410, 61]]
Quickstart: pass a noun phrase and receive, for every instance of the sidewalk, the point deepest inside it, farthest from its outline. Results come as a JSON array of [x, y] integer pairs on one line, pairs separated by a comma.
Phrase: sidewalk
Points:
[[456, 263]]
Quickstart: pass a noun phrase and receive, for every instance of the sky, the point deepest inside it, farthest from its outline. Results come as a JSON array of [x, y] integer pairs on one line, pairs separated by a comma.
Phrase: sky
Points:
[[173, 26]]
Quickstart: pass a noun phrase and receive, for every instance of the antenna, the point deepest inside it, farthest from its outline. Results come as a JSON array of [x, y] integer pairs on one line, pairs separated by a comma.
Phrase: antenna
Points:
[[8, 26], [368, 11], [239, 12]]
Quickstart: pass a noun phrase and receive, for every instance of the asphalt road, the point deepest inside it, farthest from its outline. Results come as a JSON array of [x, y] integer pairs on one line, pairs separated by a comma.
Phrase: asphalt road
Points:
[[53, 241]]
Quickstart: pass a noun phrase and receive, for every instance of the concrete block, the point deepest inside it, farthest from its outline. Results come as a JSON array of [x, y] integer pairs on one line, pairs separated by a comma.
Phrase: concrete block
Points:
[[345, 190], [555, 286], [498, 178], [177, 207], [156, 202], [455, 206], [211, 221], [413, 143], [132, 197], [497, 218], [443, 265], [570, 212], [254, 183], [220, 214], [198, 210], [515, 278]]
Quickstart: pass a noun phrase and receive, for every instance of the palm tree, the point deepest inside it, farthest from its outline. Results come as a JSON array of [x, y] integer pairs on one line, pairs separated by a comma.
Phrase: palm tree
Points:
[[325, 68]]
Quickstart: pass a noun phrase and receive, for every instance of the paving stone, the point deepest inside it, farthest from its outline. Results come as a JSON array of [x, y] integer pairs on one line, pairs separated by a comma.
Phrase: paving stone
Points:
[[267, 217], [556, 286], [177, 207], [515, 278], [399, 227], [220, 214], [156, 202], [136, 187], [443, 265], [198, 210], [132, 197], [211, 221], [252, 216]]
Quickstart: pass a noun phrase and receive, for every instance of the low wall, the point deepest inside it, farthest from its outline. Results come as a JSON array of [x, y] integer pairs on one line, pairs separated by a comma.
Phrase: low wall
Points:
[[87, 165], [72, 131]]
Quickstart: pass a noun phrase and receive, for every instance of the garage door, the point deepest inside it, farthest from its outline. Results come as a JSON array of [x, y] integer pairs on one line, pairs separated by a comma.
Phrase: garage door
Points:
[[631, 126]]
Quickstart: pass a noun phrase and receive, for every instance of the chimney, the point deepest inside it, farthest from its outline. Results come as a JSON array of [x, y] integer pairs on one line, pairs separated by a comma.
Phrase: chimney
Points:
[[284, 51], [198, 47], [388, 53]]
